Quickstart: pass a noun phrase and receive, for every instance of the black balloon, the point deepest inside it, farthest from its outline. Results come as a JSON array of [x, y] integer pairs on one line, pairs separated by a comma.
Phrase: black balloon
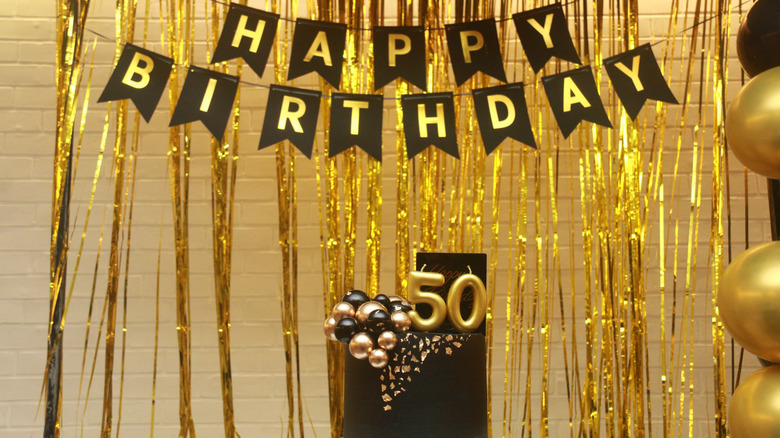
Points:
[[378, 321], [345, 329], [356, 298], [758, 39], [383, 300], [398, 306]]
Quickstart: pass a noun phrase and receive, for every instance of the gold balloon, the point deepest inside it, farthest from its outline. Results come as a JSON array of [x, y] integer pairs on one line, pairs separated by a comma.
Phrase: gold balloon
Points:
[[387, 340], [394, 298], [479, 309], [343, 310], [378, 358], [416, 295], [361, 345], [401, 321], [749, 300], [330, 329], [752, 126], [365, 309], [754, 410]]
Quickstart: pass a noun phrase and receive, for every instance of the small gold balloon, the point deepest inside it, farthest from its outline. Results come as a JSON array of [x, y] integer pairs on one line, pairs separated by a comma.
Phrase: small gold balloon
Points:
[[378, 358], [361, 345], [752, 127], [753, 410], [401, 321], [329, 327], [387, 340], [749, 300], [343, 310], [394, 298], [365, 309]]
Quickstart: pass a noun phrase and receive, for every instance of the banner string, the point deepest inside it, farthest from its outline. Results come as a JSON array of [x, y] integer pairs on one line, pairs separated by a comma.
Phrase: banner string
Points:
[[328, 96]]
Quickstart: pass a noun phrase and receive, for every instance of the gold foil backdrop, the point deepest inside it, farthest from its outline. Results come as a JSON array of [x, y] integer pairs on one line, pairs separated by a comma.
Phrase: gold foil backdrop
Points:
[[595, 243]]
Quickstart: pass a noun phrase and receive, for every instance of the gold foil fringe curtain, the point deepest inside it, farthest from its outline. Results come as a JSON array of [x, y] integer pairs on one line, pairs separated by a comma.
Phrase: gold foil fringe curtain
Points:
[[593, 241]]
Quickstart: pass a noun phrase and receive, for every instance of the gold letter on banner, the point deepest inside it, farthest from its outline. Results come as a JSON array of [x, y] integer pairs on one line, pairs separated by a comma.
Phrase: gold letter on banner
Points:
[[319, 48], [394, 51], [438, 119], [633, 73], [468, 48], [135, 69], [206, 103], [544, 31], [356, 106], [293, 117], [493, 100], [242, 31], [572, 94]]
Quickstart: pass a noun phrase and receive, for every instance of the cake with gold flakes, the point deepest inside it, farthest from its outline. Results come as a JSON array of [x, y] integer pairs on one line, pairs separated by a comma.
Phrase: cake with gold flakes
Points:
[[434, 385]]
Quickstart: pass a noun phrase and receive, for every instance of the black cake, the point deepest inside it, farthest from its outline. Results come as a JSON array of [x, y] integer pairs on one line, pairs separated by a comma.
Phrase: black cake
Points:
[[433, 386]]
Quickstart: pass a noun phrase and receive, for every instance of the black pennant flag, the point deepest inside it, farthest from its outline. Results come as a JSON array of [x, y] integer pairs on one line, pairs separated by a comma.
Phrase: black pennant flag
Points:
[[318, 46], [141, 76], [291, 114], [207, 96], [636, 77], [399, 52], [429, 120], [574, 97], [502, 112], [356, 120], [248, 33], [544, 33], [474, 47]]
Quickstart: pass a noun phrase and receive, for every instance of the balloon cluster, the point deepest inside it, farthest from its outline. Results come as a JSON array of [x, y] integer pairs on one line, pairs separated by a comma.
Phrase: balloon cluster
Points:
[[368, 326], [749, 293]]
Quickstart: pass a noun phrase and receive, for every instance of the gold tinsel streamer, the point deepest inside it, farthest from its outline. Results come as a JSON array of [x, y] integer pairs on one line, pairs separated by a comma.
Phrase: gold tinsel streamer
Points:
[[224, 161], [288, 235], [179, 29]]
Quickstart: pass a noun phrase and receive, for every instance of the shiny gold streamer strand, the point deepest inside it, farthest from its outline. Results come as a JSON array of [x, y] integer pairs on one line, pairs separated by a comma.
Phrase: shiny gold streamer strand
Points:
[[716, 237], [123, 33], [374, 173], [179, 43], [224, 156], [71, 18], [402, 241]]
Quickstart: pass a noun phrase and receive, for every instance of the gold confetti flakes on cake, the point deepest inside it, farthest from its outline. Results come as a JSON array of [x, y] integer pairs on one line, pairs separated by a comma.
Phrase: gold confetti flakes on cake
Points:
[[416, 351]]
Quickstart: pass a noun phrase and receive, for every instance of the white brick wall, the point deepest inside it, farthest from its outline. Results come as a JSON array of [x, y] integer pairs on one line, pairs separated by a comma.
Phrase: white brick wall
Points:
[[27, 99]]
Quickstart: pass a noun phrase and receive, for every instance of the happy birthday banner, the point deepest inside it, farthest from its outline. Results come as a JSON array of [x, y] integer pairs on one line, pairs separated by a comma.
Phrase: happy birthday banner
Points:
[[399, 52]]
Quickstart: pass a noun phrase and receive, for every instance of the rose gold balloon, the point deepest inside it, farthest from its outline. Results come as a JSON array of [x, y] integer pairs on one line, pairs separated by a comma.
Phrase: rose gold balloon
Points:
[[378, 358], [361, 345], [387, 340], [330, 329], [343, 310], [364, 310], [401, 321]]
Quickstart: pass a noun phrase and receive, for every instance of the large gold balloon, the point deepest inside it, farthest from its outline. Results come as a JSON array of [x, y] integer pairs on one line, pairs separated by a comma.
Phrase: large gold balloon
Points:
[[753, 124], [749, 300], [754, 410]]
